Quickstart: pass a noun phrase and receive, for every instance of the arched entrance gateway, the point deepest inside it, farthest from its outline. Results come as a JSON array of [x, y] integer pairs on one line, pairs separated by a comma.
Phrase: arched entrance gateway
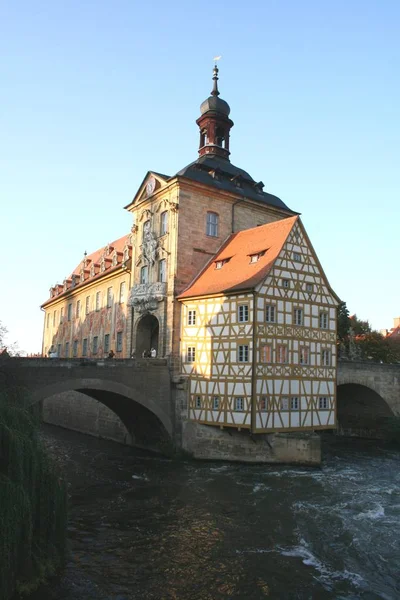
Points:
[[147, 334]]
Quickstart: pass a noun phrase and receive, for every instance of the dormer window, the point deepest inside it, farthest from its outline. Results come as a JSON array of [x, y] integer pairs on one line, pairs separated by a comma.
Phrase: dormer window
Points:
[[126, 254], [65, 285], [92, 273], [220, 263], [255, 257], [114, 259], [82, 276], [103, 265]]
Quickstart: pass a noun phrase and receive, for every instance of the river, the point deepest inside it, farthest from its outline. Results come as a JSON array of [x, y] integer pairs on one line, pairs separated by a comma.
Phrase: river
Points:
[[149, 528]]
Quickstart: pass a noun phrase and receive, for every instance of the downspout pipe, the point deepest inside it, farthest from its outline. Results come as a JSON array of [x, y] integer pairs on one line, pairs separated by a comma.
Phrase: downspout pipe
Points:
[[233, 212]]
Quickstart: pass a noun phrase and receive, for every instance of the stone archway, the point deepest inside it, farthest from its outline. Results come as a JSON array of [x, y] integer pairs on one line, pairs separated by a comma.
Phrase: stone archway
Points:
[[361, 411], [147, 334]]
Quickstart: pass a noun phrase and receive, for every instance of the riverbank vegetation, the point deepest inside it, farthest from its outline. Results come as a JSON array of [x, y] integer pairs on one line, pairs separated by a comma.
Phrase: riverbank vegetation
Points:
[[33, 513]]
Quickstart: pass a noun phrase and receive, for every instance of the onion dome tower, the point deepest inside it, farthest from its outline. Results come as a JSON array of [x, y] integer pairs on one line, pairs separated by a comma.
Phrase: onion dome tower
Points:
[[214, 123]]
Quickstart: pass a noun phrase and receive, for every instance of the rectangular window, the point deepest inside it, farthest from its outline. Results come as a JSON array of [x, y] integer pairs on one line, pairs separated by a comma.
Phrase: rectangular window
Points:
[[69, 313], [84, 347], [109, 297], [266, 353], [164, 222], [281, 354], [309, 287], [107, 343], [254, 258], [286, 283], [191, 317], [284, 403], [190, 354], [304, 355], [298, 316], [87, 305], [264, 404], [212, 224], [162, 271], [95, 344], [294, 403], [270, 313], [326, 358], [119, 341], [144, 274], [62, 315], [216, 403], [75, 349], [78, 309], [323, 320], [296, 257], [239, 403], [198, 401], [98, 300], [243, 354], [58, 350], [48, 320], [243, 313], [323, 402], [122, 292], [54, 318], [66, 349]]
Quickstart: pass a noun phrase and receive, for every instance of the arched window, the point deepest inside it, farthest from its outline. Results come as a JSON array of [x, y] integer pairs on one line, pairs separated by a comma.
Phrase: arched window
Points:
[[212, 224]]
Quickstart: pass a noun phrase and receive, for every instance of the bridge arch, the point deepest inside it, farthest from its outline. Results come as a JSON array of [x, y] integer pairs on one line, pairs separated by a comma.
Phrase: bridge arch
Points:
[[146, 421], [361, 408]]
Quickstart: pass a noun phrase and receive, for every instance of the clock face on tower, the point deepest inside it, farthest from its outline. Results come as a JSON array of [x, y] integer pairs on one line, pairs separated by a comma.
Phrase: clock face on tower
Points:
[[150, 186]]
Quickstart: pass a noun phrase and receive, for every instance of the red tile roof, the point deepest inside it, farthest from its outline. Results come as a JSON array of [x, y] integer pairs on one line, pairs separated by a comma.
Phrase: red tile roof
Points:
[[93, 258], [239, 273]]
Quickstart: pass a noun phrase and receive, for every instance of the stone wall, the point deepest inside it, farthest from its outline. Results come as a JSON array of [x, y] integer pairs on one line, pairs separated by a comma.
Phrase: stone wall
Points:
[[79, 412], [211, 443]]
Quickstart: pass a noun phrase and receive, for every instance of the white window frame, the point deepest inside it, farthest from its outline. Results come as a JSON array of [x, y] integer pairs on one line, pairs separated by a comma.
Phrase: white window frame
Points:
[[323, 402], [296, 256], [144, 275], [122, 288], [164, 223], [212, 223], [197, 402], [298, 316], [284, 403], [191, 354], [326, 357], [309, 288], [119, 344], [191, 320], [294, 403], [243, 353], [286, 283], [239, 404], [270, 313], [323, 320], [216, 402], [304, 355], [264, 404], [282, 351], [243, 313]]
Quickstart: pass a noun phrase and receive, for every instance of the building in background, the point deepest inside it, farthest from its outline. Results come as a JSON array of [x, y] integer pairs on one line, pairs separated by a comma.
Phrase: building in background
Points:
[[210, 244]]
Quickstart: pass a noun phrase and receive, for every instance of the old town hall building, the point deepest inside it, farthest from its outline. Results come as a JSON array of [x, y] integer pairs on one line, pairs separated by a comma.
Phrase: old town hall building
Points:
[[220, 277]]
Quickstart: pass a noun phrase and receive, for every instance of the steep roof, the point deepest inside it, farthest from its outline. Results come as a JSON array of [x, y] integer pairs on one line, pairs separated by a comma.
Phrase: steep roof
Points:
[[93, 258], [228, 177], [238, 272]]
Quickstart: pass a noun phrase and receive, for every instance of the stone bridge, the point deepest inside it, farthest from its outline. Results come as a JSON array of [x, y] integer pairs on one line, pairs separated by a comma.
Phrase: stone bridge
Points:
[[367, 394], [152, 408], [138, 392]]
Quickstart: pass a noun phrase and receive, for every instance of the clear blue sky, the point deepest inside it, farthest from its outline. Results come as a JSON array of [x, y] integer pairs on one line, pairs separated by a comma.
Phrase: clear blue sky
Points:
[[94, 94]]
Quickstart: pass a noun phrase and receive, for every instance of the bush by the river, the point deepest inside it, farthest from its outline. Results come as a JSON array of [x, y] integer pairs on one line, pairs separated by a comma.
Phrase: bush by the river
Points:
[[33, 513]]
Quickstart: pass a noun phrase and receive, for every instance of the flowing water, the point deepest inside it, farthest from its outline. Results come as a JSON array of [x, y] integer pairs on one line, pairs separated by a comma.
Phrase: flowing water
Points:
[[148, 528]]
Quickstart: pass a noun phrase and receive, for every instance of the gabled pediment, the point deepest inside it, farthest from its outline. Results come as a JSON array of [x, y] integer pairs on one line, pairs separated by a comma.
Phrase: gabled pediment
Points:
[[150, 185]]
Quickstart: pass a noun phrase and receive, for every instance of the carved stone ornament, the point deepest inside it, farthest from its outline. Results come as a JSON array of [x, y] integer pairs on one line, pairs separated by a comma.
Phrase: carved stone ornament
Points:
[[146, 296], [149, 245]]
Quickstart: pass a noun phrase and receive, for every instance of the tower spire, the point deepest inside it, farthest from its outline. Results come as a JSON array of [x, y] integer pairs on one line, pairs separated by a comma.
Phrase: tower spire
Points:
[[215, 90], [214, 122]]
